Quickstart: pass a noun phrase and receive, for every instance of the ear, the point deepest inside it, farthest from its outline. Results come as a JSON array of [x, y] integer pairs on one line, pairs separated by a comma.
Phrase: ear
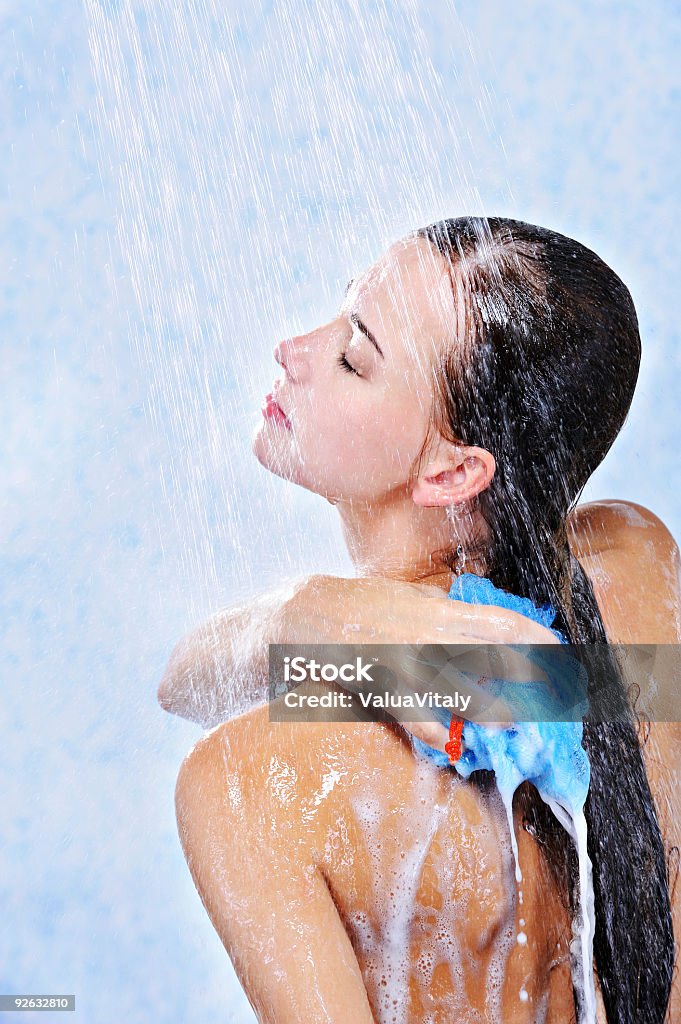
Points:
[[454, 477]]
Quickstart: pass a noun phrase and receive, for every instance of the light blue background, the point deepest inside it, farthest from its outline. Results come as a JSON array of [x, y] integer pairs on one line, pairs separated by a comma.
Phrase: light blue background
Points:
[[182, 185]]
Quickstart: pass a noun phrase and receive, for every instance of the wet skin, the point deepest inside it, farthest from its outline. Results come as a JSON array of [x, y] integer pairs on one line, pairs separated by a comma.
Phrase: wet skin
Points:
[[273, 817], [313, 845]]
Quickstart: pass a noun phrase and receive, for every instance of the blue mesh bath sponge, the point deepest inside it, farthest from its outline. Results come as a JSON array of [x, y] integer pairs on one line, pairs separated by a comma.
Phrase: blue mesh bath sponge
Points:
[[547, 753]]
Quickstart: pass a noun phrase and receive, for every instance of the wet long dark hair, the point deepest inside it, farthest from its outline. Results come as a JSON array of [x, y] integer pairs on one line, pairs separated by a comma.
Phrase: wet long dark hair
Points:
[[542, 376]]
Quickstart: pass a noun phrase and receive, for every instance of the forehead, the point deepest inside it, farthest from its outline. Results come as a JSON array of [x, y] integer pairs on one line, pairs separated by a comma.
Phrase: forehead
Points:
[[408, 294]]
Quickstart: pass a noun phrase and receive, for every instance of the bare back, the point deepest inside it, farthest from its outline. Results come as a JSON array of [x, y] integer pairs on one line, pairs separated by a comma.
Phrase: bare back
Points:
[[421, 870], [417, 862], [433, 871]]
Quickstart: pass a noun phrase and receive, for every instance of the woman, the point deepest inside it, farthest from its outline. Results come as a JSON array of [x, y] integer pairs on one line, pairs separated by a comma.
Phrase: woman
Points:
[[465, 372]]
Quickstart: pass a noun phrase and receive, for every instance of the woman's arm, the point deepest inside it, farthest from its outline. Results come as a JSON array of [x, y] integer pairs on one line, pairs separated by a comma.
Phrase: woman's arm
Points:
[[221, 668], [259, 882]]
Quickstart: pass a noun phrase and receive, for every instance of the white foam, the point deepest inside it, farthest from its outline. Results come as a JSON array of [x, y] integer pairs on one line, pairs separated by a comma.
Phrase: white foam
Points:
[[583, 926], [390, 950]]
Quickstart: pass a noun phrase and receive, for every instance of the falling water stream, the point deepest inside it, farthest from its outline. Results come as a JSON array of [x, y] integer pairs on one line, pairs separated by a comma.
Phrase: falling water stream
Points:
[[170, 88], [187, 99]]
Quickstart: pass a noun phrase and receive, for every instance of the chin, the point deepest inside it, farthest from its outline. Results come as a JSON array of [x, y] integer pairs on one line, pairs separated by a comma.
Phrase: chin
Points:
[[273, 457]]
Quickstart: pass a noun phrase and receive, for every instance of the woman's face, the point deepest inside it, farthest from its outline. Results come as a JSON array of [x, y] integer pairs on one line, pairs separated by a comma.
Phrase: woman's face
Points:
[[355, 430]]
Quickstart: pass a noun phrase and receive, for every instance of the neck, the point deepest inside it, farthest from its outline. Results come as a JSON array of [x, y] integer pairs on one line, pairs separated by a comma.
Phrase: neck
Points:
[[403, 541]]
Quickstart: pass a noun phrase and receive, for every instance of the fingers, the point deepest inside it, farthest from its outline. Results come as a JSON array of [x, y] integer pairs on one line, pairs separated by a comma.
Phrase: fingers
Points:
[[432, 733], [489, 624]]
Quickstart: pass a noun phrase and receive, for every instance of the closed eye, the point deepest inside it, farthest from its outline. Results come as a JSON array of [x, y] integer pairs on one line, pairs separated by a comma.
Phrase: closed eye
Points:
[[345, 365]]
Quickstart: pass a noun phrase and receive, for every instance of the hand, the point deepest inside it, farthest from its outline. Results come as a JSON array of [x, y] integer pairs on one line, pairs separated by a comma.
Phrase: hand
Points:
[[375, 610]]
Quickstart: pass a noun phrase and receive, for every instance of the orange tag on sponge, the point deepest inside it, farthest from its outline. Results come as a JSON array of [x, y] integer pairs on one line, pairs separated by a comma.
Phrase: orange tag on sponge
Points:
[[453, 748]]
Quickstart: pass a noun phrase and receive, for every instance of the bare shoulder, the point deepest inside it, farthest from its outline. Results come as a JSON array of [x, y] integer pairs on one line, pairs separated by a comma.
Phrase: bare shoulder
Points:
[[610, 523], [274, 768], [633, 562]]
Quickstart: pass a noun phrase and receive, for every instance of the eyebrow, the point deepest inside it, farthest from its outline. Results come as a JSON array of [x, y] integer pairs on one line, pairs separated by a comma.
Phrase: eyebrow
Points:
[[361, 326]]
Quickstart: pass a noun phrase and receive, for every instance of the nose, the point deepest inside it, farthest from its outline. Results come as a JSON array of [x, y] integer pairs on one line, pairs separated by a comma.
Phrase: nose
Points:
[[291, 355], [282, 352]]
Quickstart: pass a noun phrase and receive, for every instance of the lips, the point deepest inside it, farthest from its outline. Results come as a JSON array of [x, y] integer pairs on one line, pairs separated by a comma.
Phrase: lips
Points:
[[272, 411]]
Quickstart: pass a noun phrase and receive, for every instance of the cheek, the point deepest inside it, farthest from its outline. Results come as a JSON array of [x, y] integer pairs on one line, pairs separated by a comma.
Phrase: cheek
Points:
[[355, 431], [383, 438]]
